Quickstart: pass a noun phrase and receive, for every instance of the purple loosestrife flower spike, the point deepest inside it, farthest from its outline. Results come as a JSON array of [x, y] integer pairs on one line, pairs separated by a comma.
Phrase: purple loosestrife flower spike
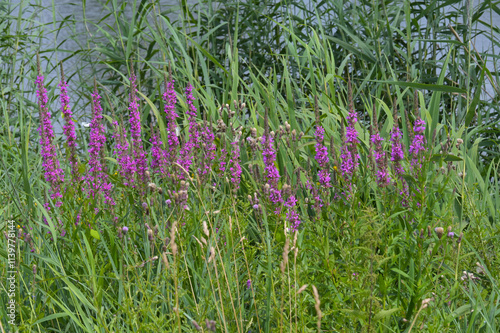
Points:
[[170, 100], [380, 159], [127, 167], [208, 149], [53, 172], [397, 154], [158, 155], [321, 151], [69, 127], [235, 167], [140, 161], [349, 151], [97, 180], [270, 169], [292, 216], [417, 145], [187, 152]]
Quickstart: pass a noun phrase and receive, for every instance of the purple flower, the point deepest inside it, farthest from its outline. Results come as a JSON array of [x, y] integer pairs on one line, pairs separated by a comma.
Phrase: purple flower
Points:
[[69, 129], [222, 160], [208, 150], [97, 180], [349, 151], [53, 172], [417, 145], [269, 157], [188, 150], [322, 157], [249, 284], [168, 202], [271, 171], [292, 216], [170, 100], [383, 178], [124, 230], [123, 157], [158, 155], [140, 161], [235, 167], [451, 234], [397, 154]]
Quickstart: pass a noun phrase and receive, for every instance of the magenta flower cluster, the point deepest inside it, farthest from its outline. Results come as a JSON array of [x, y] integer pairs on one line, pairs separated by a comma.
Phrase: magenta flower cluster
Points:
[[189, 149], [383, 178], [122, 153], [170, 100], [292, 216], [417, 145], [53, 172], [140, 165], [235, 167], [349, 151], [322, 157], [96, 181], [270, 170], [397, 154], [209, 149], [69, 129]]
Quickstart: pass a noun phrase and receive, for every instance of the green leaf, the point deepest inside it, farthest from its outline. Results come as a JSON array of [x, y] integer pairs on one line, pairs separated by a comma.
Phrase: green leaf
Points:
[[95, 234], [475, 101], [446, 158], [385, 313], [50, 317], [433, 87]]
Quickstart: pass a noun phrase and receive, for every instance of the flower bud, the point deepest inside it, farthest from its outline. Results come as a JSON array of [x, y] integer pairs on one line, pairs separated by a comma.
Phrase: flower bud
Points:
[[439, 232]]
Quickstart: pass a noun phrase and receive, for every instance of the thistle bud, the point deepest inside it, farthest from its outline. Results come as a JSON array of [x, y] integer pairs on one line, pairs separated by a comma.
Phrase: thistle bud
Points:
[[150, 235], [460, 238], [439, 232]]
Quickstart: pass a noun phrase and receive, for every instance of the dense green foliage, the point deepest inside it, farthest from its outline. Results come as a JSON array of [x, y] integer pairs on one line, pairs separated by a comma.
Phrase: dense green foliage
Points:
[[368, 260]]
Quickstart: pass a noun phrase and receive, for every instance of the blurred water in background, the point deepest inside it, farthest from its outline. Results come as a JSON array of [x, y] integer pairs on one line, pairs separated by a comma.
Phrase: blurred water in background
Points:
[[94, 10]]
